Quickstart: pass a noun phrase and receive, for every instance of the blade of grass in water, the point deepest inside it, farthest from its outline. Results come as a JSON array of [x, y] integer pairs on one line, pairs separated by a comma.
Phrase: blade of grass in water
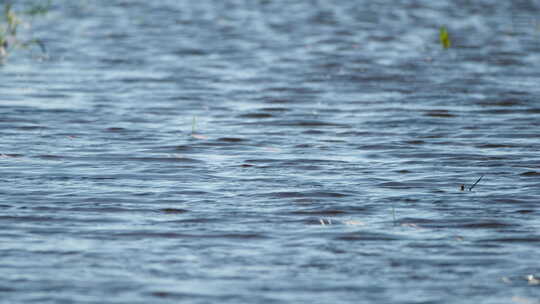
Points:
[[393, 214], [193, 124], [477, 181], [444, 38]]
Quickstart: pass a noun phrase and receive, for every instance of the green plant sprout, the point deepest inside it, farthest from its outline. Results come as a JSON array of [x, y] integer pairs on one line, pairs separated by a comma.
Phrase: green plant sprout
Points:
[[9, 24], [444, 38], [194, 125]]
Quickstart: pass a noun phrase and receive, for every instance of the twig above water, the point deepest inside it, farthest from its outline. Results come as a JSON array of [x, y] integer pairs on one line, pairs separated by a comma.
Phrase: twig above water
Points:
[[477, 181]]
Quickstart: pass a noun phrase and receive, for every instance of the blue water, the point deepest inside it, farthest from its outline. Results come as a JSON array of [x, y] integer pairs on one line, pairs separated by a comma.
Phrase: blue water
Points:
[[272, 152]]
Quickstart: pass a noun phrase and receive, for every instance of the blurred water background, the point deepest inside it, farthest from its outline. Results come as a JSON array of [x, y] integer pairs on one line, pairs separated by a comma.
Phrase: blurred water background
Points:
[[272, 151]]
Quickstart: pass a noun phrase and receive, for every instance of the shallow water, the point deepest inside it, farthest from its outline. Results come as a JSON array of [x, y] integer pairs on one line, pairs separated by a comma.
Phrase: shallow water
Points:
[[272, 152]]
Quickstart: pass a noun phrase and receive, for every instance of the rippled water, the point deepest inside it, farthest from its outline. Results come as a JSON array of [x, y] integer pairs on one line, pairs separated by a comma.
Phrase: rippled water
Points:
[[272, 151]]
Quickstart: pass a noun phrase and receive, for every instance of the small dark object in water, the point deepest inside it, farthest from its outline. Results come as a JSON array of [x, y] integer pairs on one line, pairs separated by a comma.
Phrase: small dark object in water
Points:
[[462, 187]]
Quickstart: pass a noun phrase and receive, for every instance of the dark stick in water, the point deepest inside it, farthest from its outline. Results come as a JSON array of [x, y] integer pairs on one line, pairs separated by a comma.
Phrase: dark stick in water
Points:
[[477, 181]]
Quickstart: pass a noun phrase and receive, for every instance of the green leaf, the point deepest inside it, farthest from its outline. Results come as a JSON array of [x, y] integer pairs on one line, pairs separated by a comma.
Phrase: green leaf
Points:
[[444, 38]]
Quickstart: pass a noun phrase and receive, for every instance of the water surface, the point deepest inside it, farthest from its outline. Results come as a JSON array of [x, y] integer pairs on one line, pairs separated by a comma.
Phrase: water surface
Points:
[[272, 152]]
